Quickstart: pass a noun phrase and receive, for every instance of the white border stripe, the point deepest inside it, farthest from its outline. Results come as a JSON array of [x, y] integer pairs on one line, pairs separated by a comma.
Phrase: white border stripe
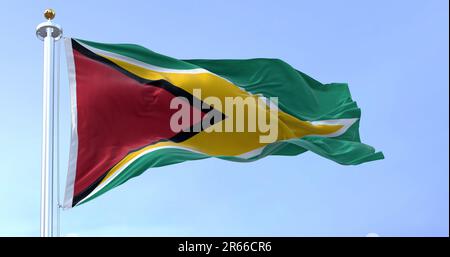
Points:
[[102, 185], [345, 122], [247, 155], [251, 154], [142, 64], [68, 198]]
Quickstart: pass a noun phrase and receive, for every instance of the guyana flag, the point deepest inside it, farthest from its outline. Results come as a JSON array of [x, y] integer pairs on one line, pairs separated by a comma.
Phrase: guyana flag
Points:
[[134, 109]]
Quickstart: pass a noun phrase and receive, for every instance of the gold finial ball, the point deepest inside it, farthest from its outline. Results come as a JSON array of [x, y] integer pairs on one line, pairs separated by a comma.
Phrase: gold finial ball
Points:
[[49, 14]]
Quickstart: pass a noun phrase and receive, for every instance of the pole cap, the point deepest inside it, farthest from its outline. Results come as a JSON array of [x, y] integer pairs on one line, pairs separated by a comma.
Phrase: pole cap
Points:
[[49, 14], [42, 29]]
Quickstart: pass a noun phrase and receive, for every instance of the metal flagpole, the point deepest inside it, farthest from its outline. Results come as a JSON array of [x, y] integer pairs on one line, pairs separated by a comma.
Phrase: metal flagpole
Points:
[[49, 33], [56, 112]]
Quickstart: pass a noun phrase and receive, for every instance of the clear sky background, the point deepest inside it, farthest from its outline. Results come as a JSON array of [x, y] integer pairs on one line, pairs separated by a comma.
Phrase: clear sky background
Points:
[[393, 54]]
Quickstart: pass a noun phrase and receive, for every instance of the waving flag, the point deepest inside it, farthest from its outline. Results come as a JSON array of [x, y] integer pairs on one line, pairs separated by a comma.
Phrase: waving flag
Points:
[[125, 99]]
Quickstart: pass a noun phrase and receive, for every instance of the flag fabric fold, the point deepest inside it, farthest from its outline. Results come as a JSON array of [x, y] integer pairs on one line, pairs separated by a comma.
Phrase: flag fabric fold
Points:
[[121, 105]]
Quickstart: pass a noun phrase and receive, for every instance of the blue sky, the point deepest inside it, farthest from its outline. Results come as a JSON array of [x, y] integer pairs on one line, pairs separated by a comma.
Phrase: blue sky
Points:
[[393, 54]]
